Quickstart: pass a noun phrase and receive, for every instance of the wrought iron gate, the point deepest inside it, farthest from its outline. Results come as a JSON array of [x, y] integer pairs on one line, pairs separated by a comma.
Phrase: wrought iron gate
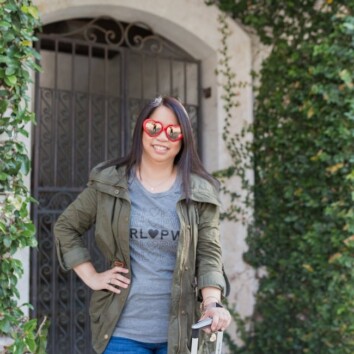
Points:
[[96, 76]]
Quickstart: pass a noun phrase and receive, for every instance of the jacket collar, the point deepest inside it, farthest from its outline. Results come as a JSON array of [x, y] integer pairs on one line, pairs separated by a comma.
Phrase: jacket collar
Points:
[[201, 190]]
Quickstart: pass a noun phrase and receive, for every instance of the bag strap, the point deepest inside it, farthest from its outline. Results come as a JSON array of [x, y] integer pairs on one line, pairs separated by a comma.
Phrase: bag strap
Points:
[[227, 283]]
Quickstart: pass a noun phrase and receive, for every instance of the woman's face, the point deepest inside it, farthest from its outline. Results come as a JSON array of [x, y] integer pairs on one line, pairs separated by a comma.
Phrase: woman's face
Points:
[[160, 148]]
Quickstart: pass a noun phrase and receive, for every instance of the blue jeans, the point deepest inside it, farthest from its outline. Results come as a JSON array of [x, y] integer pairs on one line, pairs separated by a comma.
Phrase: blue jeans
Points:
[[128, 346]]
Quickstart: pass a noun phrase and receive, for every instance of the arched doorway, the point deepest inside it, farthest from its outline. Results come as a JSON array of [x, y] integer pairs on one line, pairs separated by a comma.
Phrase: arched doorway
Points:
[[97, 73]]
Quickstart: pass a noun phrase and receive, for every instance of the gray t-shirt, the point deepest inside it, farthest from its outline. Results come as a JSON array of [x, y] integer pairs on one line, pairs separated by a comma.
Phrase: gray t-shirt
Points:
[[154, 233]]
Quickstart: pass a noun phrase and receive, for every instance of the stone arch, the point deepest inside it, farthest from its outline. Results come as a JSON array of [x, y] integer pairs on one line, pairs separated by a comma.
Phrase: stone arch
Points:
[[191, 25]]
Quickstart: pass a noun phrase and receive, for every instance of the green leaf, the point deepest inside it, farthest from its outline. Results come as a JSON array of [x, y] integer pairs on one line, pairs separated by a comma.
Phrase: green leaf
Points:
[[10, 70], [19, 348], [5, 326], [24, 132], [2, 227], [31, 344], [30, 326], [32, 10], [25, 164], [5, 25], [3, 106], [7, 242], [11, 80], [346, 77], [26, 43]]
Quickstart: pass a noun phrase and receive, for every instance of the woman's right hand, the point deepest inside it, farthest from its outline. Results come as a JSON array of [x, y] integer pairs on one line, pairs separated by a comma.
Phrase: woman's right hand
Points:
[[111, 279]]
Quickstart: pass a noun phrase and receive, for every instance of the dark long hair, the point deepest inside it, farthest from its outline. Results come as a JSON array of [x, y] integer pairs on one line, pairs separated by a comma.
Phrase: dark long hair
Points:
[[187, 160]]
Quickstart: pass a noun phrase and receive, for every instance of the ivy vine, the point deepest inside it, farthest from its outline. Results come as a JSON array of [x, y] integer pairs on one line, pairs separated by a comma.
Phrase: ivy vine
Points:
[[238, 144], [18, 20], [303, 151]]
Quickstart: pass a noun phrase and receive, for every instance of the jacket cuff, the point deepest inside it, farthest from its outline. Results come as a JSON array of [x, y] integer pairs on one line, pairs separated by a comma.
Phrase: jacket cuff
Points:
[[75, 257], [212, 279]]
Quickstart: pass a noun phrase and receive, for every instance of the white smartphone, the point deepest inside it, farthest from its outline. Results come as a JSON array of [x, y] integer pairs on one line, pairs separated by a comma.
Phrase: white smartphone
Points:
[[203, 323]]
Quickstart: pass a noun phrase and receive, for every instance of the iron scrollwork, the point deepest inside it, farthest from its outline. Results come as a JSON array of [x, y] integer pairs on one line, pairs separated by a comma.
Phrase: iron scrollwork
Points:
[[95, 32], [137, 36], [139, 42]]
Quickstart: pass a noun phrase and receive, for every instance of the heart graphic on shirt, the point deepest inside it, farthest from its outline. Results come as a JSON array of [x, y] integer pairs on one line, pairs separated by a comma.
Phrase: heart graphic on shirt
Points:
[[153, 233]]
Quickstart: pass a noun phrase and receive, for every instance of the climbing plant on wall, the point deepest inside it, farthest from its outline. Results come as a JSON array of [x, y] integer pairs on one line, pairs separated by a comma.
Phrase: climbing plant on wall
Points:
[[18, 20], [237, 144], [303, 150]]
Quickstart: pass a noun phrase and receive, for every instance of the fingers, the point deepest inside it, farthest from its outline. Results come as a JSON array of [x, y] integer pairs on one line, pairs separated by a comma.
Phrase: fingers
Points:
[[116, 273], [119, 281], [221, 319], [113, 288], [115, 280], [120, 270]]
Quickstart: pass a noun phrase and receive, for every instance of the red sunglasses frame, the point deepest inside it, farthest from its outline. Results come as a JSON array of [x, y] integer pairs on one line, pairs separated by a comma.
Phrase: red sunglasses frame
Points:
[[164, 129]]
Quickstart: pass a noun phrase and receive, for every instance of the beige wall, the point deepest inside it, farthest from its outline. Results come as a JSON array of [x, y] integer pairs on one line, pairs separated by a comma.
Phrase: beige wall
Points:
[[193, 26]]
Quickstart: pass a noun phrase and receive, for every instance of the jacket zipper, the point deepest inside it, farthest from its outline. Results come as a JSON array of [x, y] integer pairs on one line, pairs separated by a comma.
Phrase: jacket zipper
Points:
[[196, 213], [185, 245]]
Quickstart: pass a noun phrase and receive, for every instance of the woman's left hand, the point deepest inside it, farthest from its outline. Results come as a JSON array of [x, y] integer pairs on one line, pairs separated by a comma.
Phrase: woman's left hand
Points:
[[221, 318]]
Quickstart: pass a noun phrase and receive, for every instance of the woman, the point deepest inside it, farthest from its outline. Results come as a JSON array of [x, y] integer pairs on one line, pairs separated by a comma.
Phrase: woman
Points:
[[156, 215]]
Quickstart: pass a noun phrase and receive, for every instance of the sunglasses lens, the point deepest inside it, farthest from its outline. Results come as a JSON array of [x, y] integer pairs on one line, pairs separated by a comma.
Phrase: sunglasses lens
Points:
[[153, 128], [174, 132]]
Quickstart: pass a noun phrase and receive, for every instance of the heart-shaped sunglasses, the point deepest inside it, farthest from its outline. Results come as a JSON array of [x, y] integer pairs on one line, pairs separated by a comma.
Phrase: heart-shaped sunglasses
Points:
[[154, 128]]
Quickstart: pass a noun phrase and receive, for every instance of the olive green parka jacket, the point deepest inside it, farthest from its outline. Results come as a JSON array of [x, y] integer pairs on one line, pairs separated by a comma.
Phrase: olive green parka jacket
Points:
[[105, 202]]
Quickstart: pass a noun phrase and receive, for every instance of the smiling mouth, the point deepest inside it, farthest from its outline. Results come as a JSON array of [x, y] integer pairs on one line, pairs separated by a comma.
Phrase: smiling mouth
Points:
[[160, 148]]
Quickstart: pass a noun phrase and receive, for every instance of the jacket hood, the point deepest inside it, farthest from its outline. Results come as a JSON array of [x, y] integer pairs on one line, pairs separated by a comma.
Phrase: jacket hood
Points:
[[110, 175]]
